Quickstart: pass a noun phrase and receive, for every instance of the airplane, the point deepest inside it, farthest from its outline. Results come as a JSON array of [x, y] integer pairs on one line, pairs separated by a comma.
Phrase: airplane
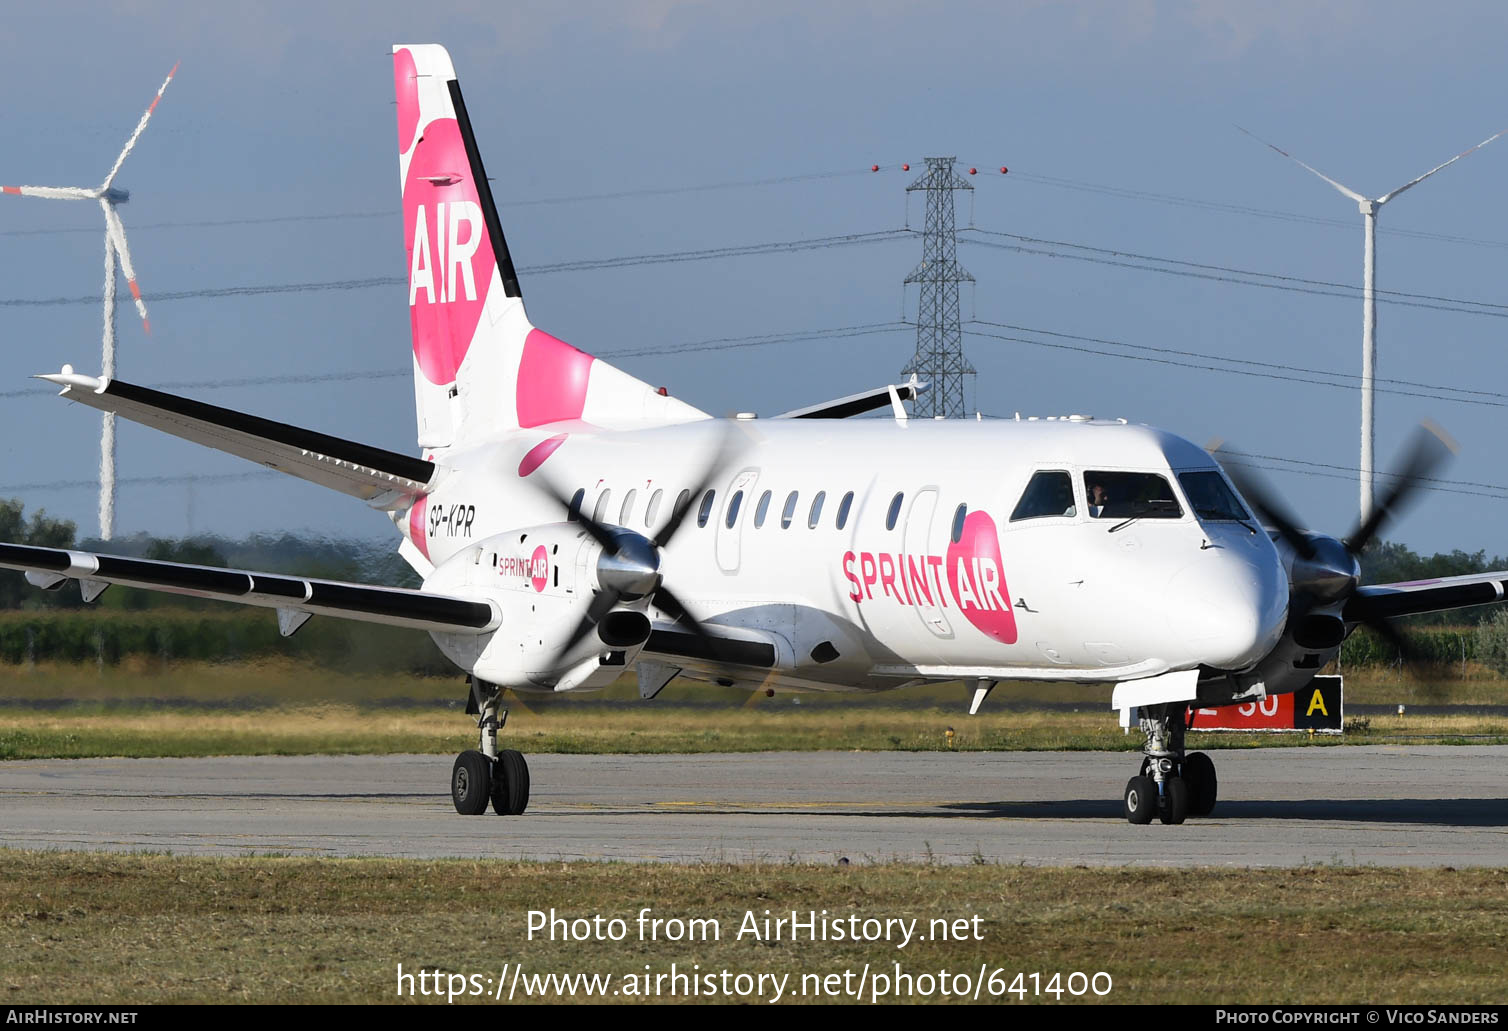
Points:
[[571, 523]]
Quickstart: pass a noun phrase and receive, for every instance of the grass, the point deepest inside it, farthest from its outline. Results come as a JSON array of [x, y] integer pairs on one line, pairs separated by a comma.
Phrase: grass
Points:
[[88, 732], [195, 709], [129, 929]]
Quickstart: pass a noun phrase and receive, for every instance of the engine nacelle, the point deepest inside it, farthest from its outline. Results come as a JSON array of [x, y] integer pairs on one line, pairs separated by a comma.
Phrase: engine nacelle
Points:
[[543, 579], [1319, 586]]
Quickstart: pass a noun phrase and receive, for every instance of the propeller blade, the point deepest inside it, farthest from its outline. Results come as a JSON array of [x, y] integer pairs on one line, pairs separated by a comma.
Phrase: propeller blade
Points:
[[1407, 655], [1269, 506], [601, 534], [719, 458], [140, 126], [666, 601], [1430, 448], [602, 603], [117, 233]]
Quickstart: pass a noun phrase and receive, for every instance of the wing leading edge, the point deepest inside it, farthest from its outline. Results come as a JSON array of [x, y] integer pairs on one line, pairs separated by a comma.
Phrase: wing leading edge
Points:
[[290, 595], [1388, 601]]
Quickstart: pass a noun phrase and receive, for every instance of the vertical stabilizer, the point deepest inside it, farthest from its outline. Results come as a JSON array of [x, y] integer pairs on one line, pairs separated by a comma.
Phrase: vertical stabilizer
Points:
[[479, 365]]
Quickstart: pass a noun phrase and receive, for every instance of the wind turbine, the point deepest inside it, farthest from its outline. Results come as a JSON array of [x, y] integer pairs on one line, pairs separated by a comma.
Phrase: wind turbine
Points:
[[1369, 209], [108, 196]]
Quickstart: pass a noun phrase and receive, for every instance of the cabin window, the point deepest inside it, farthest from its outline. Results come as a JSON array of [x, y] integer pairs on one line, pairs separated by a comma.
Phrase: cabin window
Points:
[[815, 515], [733, 503], [894, 511], [789, 512], [682, 500], [705, 512], [1118, 495], [1048, 493], [627, 509], [1210, 498], [762, 509], [573, 510], [843, 507], [600, 513], [959, 514], [653, 508]]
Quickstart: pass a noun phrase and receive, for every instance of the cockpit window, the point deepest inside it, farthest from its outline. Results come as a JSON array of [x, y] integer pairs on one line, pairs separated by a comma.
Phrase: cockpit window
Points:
[[1210, 498], [1047, 494], [1117, 495]]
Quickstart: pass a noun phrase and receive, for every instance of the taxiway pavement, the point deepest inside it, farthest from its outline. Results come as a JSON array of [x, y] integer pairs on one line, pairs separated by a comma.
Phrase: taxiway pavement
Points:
[[1366, 805]]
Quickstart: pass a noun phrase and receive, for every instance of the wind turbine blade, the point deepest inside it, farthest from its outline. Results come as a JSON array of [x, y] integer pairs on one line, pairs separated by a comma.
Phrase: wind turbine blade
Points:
[[1415, 182], [1358, 198], [55, 192], [145, 118], [117, 234]]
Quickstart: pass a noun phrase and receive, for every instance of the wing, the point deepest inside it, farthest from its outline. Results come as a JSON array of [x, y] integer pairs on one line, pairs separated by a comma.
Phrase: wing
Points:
[[295, 598], [1387, 601], [383, 479]]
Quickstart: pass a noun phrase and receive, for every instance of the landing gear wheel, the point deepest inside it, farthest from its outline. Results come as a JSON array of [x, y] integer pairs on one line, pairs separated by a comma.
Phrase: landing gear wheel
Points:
[[1199, 771], [1175, 800], [1141, 799], [510, 784], [471, 783]]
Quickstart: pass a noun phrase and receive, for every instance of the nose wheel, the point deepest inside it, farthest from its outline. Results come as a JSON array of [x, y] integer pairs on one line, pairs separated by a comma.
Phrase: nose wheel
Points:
[[1171, 786], [488, 775]]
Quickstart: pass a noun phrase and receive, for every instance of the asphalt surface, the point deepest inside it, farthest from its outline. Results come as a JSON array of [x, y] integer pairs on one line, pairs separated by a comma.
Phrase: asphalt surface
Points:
[[1352, 805]]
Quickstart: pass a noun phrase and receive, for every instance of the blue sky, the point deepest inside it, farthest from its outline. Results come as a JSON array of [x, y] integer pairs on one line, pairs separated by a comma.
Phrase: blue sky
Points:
[[285, 111]]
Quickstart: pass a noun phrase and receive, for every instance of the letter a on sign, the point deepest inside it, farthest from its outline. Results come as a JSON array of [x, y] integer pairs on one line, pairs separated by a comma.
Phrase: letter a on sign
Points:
[[1317, 702]]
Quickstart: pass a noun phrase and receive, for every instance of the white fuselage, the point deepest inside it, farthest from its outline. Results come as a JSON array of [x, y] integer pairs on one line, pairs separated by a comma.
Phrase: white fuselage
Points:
[[1060, 597]]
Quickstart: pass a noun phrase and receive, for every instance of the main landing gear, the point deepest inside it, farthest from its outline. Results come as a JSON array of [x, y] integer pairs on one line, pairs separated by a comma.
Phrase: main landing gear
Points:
[[489, 775], [1171, 785]]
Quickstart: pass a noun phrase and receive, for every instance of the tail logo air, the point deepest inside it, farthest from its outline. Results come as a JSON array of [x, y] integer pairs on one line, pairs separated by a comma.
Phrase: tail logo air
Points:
[[442, 255], [450, 259]]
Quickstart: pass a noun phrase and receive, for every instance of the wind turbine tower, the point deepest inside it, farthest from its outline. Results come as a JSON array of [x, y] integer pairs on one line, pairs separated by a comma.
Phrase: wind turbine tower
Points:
[[1369, 209], [116, 250]]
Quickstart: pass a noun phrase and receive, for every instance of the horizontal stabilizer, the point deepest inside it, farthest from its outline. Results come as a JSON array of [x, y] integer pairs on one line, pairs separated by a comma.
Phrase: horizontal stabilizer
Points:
[[395, 606], [383, 479], [858, 404]]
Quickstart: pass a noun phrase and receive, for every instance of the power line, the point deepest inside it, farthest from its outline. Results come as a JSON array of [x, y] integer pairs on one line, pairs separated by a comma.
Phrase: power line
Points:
[[1224, 274], [1279, 376], [1356, 469], [396, 213], [142, 480], [588, 264], [1351, 478], [1242, 209], [713, 344], [1350, 376]]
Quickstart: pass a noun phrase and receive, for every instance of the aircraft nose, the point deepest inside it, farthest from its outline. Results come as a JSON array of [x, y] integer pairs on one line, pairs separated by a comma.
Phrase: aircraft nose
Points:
[[1229, 607]]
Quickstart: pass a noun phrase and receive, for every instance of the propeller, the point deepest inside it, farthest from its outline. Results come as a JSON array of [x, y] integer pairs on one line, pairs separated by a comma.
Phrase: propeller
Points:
[[1327, 570], [629, 566]]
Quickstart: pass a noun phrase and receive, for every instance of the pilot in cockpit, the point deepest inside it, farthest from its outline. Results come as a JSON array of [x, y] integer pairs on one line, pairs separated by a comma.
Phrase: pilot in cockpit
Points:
[[1099, 497]]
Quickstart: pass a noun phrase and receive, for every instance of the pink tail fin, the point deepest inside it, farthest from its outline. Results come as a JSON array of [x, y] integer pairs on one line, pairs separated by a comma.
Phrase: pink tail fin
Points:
[[479, 365]]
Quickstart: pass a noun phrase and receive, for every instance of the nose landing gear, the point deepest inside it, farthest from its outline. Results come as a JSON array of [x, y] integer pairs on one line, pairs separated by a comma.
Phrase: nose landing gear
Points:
[[1171, 785], [479, 777]]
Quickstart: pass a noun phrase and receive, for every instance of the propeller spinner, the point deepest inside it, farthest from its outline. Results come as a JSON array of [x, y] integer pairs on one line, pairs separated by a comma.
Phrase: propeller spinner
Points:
[[1326, 570], [629, 567]]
